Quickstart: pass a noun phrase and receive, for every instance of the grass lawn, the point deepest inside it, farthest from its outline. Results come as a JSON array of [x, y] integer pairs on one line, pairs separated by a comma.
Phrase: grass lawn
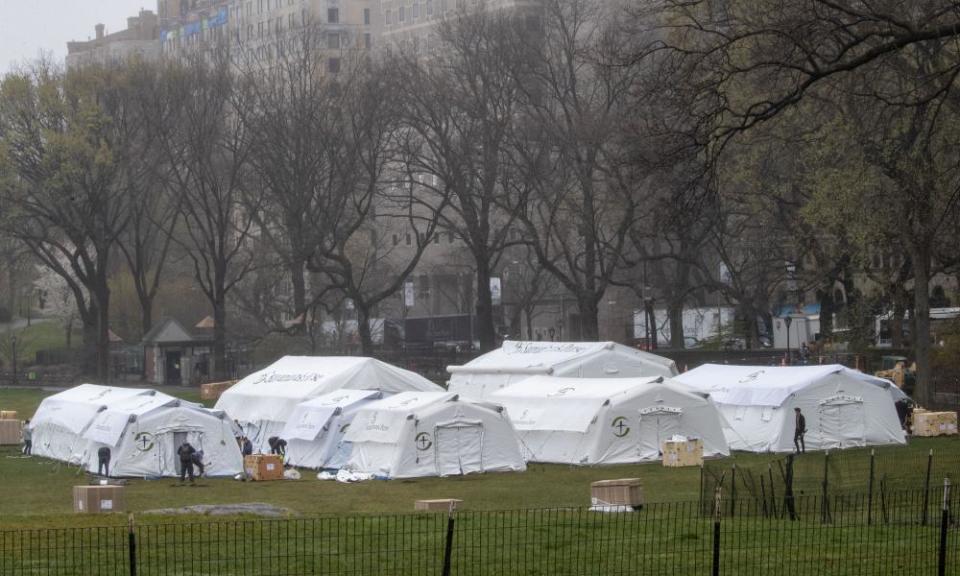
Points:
[[38, 491], [41, 335]]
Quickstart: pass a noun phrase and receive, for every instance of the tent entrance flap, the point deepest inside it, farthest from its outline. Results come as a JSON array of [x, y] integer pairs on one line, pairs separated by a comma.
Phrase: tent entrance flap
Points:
[[842, 422], [458, 448], [655, 427]]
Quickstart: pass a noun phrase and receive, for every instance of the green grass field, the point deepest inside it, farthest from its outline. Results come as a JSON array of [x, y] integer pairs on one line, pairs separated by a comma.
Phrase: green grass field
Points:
[[38, 491]]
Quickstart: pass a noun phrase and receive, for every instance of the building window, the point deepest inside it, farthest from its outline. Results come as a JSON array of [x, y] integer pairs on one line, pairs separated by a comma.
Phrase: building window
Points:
[[400, 14], [428, 6], [291, 20], [389, 17], [367, 40], [333, 41], [436, 238], [415, 12], [333, 65], [259, 6], [333, 15], [396, 239], [259, 29], [366, 16], [249, 31], [409, 239]]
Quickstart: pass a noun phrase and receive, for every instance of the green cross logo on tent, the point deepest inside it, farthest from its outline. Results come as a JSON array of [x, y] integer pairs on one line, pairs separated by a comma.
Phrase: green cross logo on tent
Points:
[[144, 441], [620, 427], [423, 441]]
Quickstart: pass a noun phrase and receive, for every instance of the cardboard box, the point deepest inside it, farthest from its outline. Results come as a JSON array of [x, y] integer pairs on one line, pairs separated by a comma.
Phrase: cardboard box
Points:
[[98, 499], [263, 467], [934, 423], [442, 504], [10, 432], [679, 454], [213, 390], [622, 492], [8, 415]]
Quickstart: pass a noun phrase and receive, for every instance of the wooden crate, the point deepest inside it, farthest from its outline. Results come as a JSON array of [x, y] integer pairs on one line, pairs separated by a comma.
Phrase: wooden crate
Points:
[[263, 467], [213, 390], [444, 504], [9, 432], [934, 423], [680, 454], [621, 492], [98, 499], [8, 415]]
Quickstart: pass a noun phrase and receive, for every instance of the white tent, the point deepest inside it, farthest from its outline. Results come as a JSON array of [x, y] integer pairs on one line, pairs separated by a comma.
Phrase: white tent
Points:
[[263, 401], [315, 430], [416, 434], [60, 421], [515, 361], [610, 421], [144, 432], [843, 407]]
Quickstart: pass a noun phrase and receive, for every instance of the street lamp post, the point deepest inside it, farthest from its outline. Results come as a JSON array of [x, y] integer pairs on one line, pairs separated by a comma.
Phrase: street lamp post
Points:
[[787, 321]]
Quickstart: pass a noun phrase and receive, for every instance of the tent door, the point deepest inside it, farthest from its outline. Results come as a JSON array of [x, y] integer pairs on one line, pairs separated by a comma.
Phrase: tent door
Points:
[[459, 449], [178, 439], [654, 428], [842, 423]]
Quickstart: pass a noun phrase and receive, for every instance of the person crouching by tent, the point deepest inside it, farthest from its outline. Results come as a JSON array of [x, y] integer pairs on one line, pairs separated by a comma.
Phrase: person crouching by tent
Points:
[[27, 439], [186, 452], [103, 462], [277, 446], [799, 431], [246, 447], [198, 462]]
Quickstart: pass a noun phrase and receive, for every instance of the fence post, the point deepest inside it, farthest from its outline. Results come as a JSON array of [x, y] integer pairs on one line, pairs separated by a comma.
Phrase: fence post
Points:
[[716, 533], [870, 491], [825, 502], [926, 489], [944, 525], [132, 544], [733, 490], [773, 495], [448, 544]]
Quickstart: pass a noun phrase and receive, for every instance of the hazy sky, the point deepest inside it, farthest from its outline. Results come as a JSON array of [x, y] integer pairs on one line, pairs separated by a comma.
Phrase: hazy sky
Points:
[[29, 27]]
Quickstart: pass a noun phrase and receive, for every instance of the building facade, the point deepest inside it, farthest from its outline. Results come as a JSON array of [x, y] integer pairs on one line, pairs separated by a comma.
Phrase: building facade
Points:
[[139, 40]]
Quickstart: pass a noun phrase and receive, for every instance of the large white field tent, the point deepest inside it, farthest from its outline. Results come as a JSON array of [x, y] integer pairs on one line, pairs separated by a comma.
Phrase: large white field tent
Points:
[[263, 401], [611, 421], [315, 431], [843, 408], [142, 428], [515, 361], [416, 434], [61, 419]]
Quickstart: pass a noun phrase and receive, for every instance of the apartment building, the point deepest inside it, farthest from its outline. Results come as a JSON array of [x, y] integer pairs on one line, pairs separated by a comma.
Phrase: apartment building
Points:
[[139, 40]]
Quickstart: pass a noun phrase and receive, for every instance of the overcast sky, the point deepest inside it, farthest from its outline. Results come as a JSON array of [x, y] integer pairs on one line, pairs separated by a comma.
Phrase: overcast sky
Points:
[[29, 27]]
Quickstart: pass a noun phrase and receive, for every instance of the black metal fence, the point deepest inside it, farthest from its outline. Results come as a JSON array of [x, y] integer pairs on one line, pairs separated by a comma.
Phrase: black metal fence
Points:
[[914, 534]]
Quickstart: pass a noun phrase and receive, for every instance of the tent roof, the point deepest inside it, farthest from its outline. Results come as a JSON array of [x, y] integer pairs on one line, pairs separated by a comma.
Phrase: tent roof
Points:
[[340, 398], [567, 404], [272, 393], [765, 385], [76, 407], [543, 357], [309, 418], [382, 421]]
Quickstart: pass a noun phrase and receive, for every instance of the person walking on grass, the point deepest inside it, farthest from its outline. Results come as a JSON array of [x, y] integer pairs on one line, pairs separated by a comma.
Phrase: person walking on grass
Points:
[[186, 452], [27, 439], [198, 462], [103, 461], [799, 431]]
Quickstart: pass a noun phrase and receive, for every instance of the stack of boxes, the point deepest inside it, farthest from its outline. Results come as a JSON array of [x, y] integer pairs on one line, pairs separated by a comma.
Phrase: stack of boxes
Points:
[[213, 390], [934, 423], [98, 499], [678, 453], [10, 427], [622, 492]]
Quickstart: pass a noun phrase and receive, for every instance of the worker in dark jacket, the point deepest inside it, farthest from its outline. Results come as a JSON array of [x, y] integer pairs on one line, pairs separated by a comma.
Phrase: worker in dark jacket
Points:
[[198, 462], [246, 446], [799, 431], [186, 452], [103, 461], [277, 445]]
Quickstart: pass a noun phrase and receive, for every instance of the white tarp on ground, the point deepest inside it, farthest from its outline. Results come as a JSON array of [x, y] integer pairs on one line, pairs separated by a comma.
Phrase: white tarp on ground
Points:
[[263, 401], [61, 419], [515, 361], [141, 427], [843, 408], [416, 434], [608, 421], [315, 430]]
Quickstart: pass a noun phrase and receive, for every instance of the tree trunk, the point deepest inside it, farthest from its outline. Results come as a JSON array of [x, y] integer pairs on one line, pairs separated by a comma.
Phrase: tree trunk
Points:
[[363, 328], [675, 310], [146, 314], [589, 324], [826, 311], [219, 369], [923, 392], [90, 341], [485, 326], [103, 331], [896, 320], [298, 277], [528, 312]]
